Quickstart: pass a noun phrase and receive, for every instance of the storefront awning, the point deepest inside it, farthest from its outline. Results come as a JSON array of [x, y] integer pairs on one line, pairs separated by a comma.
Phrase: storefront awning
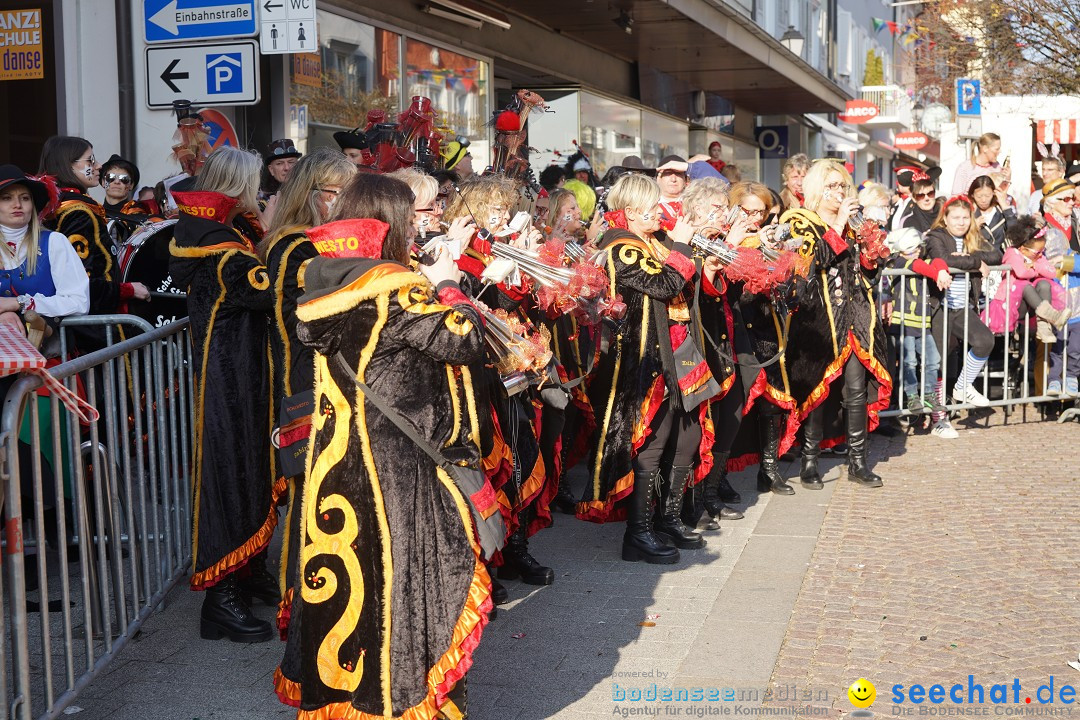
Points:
[[704, 45], [837, 139]]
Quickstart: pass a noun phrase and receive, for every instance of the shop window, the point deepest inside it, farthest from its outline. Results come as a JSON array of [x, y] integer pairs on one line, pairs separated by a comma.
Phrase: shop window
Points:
[[357, 69], [662, 136], [609, 131], [458, 86]]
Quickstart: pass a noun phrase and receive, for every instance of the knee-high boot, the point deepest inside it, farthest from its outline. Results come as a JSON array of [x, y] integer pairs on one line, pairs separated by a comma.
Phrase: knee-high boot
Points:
[[717, 491], [769, 477], [669, 522], [810, 475], [857, 435], [640, 542]]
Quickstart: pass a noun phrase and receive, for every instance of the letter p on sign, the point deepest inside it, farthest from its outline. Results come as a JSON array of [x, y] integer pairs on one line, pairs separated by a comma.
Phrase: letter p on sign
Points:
[[223, 73]]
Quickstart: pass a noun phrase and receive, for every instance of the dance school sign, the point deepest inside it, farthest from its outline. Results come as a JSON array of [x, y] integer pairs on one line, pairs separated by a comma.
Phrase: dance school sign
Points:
[[21, 57]]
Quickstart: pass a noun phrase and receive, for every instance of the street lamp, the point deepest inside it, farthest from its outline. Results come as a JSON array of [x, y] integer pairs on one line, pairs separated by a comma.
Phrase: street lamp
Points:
[[793, 40]]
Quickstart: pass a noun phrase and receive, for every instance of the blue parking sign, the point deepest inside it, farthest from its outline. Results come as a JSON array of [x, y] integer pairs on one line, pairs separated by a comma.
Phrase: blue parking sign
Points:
[[224, 73], [968, 97]]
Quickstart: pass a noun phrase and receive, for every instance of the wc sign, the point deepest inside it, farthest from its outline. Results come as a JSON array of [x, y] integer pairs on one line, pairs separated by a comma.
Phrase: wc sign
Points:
[[219, 74]]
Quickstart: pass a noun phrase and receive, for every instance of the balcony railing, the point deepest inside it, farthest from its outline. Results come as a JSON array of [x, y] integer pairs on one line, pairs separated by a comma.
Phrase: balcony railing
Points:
[[894, 106]]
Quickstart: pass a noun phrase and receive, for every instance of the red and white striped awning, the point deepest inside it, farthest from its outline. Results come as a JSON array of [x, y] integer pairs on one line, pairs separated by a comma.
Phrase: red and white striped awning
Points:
[[1063, 132]]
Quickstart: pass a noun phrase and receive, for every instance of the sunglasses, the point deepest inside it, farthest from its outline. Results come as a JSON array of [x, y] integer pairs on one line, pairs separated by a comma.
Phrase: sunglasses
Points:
[[928, 194], [114, 177]]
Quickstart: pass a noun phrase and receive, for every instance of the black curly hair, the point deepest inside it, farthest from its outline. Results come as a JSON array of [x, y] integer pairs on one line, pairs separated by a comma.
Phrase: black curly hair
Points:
[[1023, 231]]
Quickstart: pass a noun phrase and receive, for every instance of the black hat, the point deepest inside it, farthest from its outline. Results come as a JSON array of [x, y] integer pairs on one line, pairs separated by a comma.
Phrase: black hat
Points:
[[633, 163], [125, 164], [281, 149], [11, 175], [1071, 171], [908, 175], [354, 139]]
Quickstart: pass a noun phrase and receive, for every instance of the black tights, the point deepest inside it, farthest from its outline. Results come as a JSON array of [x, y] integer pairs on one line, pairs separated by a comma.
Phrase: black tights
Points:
[[675, 433]]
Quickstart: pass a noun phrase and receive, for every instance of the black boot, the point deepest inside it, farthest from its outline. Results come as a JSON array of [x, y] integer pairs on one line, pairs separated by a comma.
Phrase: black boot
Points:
[[564, 500], [499, 596], [855, 410], [669, 522], [715, 498], [640, 542], [518, 563], [810, 475], [769, 477], [261, 583], [225, 614]]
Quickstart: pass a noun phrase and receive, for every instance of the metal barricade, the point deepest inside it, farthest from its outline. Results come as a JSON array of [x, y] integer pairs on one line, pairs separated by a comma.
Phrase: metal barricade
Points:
[[1018, 370], [104, 507]]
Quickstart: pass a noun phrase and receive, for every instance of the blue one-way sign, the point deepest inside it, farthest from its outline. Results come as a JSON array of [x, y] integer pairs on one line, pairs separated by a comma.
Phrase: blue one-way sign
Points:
[[172, 20]]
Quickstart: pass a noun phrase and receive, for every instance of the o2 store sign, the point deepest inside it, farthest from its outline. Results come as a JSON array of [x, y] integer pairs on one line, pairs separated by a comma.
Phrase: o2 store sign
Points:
[[859, 111]]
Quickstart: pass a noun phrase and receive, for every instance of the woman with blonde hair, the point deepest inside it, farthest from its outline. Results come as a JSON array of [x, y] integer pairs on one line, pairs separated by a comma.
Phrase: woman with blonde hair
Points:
[[836, 331], [229, 296], [425, 189], [984, 161], [305, 200], [646, 416]]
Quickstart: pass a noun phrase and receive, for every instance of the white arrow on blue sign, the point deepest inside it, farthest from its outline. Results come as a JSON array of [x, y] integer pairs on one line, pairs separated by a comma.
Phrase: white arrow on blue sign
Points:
[[172, 20]]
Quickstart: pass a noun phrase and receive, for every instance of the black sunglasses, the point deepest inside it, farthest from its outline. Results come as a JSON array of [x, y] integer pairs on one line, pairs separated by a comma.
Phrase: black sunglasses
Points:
[[113, 177]]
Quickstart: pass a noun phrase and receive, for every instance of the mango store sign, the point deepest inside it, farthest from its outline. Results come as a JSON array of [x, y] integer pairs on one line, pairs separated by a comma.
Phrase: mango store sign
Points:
[[21, 57]]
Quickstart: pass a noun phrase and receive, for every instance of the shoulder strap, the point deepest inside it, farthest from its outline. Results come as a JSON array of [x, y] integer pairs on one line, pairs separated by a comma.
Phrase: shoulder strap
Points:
[[392, 415]]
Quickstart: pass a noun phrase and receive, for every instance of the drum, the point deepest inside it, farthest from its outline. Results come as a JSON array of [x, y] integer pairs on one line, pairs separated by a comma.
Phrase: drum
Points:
[[144, 258]]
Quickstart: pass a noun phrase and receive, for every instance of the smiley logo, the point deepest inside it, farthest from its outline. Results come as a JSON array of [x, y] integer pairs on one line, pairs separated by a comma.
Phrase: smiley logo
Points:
[[862, 693]]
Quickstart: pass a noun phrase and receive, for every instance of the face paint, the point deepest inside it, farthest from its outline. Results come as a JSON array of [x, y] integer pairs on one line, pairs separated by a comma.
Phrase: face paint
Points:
[[88, 171], [646, 216], [567, 217]]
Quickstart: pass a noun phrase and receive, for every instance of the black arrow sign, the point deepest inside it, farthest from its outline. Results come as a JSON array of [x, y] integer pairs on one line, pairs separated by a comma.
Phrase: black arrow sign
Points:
[[168, 76], [268, 6]]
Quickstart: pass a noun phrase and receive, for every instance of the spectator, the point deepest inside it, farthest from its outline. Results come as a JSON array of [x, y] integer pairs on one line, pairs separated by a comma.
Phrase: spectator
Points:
[[732, 173], [1031, 289], [993, 213], [71, 161], [874, 199], [146, 194], [579, 167], [902, 198], [925, 207], [1063, 250], [229, 296], [41, 273], [907, 310], [955, 239], [671, 175], [716, 156], [984, 162], [1051, 168], [794, 171]]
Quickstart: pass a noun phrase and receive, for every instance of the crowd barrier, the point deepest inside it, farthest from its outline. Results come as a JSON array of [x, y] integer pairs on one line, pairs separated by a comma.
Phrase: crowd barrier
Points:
[[97, 515], [1018, 370]]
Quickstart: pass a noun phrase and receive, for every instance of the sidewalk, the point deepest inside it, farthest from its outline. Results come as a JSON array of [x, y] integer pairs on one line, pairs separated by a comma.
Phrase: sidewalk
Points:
[[814, 590]]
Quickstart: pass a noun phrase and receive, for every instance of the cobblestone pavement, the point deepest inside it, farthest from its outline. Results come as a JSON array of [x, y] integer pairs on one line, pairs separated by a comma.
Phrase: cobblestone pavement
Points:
[[965, 563]]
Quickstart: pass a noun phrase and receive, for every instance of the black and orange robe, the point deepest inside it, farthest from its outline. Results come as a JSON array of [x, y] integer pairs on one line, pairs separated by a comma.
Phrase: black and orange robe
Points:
[[229, 296], [392, 596], [632, 377], [836, 318]]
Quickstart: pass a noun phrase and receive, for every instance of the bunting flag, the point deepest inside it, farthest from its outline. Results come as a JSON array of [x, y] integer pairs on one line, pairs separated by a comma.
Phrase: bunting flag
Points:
[[878, 24], [893, 27], [908, 38]]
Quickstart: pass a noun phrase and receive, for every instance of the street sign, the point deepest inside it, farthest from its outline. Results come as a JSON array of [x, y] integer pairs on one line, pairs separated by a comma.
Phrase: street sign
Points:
[[287, 26], [968, 97], [173, 20], [969, 127], [217, 74]]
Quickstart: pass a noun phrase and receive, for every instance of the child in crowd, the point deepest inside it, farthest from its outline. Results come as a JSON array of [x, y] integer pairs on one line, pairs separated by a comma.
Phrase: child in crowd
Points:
[[910, 318], [1031, 287]]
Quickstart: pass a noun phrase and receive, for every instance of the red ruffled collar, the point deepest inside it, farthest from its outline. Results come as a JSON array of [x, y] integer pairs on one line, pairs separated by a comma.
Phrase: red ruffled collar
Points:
[[206, 205], [353, 238]]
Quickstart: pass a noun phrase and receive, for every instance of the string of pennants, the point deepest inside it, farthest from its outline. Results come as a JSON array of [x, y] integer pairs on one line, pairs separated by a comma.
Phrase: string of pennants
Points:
[[908, 33]]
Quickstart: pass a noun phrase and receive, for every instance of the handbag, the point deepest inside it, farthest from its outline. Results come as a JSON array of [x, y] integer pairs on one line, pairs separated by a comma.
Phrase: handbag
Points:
[[293, 433], [490, 530], [696, 381]]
